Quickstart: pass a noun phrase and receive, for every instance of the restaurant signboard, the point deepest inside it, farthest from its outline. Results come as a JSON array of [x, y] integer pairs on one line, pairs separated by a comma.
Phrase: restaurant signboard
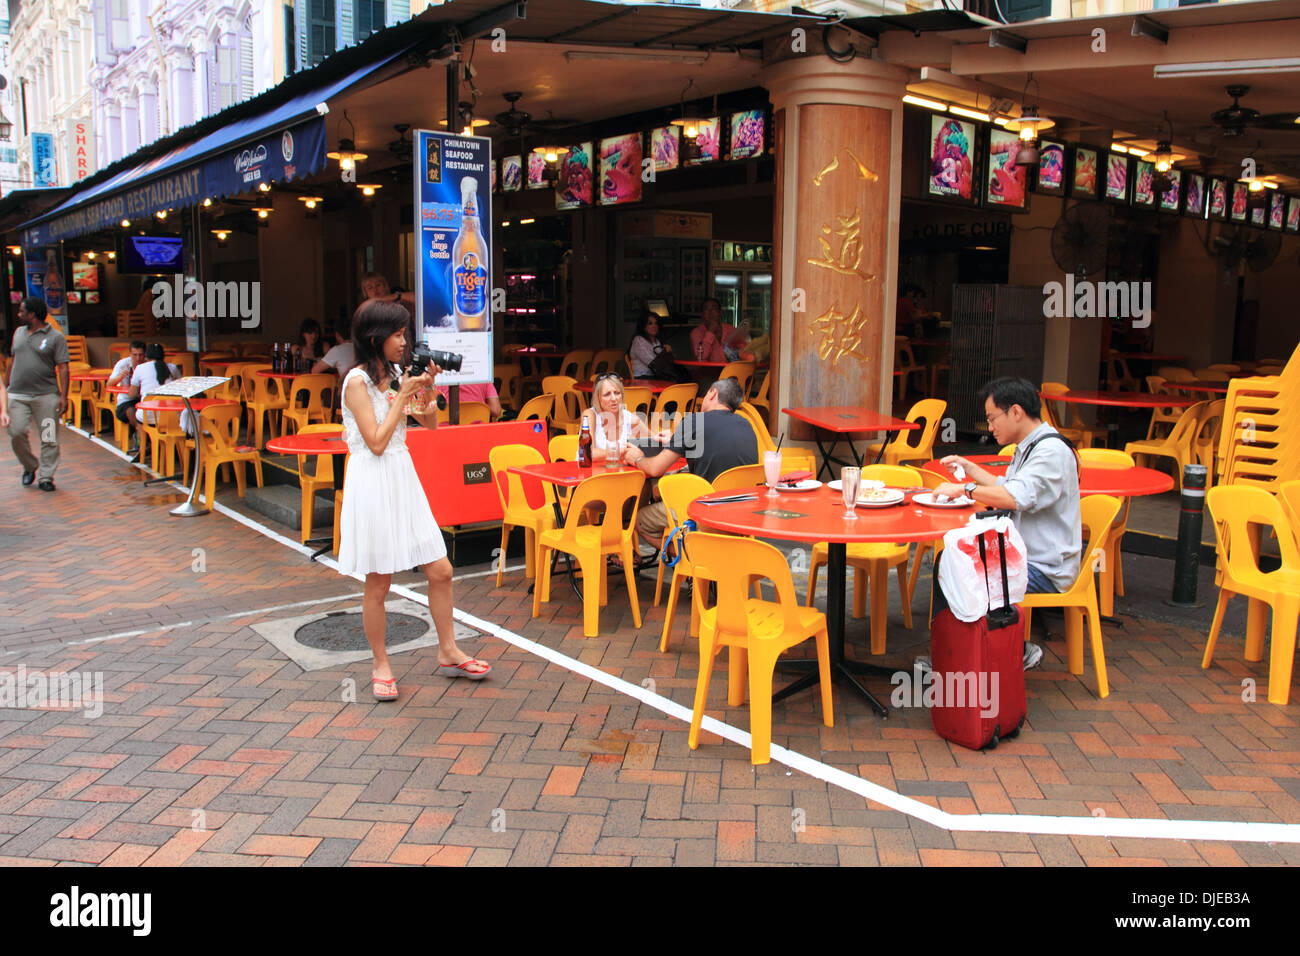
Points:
[[453, 287]]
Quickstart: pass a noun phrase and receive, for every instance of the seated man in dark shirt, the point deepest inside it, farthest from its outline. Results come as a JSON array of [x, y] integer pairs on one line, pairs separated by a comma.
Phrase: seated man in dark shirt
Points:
[[711, 440]]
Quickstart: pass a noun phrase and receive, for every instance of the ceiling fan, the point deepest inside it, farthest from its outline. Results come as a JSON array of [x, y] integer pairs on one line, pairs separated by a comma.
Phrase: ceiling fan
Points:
[[1235, 119], [516, 122]]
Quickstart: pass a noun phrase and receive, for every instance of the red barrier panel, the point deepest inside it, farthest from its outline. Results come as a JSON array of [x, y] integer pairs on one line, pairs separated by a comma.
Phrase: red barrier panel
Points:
[[452, 462]]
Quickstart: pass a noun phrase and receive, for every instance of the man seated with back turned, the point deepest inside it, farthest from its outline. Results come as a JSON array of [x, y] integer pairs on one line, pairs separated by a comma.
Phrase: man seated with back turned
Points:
[[712, 440], [1041, 486]]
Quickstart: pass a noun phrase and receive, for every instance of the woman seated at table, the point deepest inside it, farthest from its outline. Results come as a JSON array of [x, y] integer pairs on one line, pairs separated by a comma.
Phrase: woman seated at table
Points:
[[309, 340], [148, 377], [609, 419], [650, 358]]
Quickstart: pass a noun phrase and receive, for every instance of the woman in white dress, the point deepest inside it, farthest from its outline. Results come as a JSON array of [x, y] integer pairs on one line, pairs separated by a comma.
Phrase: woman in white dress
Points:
[[386, 525]]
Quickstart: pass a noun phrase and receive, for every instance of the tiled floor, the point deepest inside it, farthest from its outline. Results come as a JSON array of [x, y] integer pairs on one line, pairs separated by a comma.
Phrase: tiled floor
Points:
[[215, 748]]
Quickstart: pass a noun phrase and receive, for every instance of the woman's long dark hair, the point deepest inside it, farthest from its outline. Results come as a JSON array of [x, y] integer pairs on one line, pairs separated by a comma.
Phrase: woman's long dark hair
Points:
[[308, 325], [161, 368], [374, 321], [641, 323]]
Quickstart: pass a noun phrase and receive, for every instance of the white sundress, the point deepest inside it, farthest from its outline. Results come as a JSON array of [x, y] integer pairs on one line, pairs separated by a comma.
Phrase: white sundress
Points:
[[599, 439], [386, 525]]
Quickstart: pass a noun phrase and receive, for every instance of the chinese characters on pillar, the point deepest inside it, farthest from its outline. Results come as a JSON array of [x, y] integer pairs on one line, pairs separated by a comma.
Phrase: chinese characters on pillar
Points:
[[840, 250]]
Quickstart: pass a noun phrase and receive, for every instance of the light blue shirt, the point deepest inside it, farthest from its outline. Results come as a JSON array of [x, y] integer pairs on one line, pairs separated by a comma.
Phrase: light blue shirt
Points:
[[1043, 478]]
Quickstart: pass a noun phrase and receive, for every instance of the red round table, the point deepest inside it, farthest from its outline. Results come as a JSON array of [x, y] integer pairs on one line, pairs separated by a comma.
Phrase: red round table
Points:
[[316, 443], [117, 389], [284, 376], [696, 363], [817, 516], [1121, 399], [1218, 388], [175, 404], [655, 385], [92, 375], [168, 404]]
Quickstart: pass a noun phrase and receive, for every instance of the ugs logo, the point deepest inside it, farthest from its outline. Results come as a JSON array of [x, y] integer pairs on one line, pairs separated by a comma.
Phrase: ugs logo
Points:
[[479, 473]]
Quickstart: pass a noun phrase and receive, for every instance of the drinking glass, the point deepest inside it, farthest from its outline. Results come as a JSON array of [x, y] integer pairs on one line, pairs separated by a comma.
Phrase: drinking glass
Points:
[[614, 454], [850, 482], [771, 471]]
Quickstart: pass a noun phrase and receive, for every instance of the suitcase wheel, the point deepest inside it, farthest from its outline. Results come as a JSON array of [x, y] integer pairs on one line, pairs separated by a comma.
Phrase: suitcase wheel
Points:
[[993, 742], [1016, 732]]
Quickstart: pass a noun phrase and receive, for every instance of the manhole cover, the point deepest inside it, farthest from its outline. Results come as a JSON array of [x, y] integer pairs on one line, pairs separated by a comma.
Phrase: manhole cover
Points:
[[342, 631]]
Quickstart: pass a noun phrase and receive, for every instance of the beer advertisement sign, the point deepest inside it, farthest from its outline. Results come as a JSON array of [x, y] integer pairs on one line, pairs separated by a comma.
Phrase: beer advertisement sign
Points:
[[453, 283]]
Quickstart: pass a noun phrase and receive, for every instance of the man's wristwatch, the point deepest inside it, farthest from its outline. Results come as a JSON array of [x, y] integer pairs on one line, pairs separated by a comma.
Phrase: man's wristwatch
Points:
[[969, 489]]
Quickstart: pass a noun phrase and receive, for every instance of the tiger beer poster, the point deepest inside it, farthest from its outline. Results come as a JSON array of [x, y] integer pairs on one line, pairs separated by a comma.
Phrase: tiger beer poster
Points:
[[453, 283]]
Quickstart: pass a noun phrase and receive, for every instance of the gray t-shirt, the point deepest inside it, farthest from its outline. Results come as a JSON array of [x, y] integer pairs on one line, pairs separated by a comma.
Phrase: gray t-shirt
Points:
[[1044, 479], [36, 355]]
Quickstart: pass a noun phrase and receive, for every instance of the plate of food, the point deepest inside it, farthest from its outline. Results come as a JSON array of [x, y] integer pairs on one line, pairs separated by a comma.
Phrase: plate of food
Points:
[[928, 499], [879, 497], [808, 484]]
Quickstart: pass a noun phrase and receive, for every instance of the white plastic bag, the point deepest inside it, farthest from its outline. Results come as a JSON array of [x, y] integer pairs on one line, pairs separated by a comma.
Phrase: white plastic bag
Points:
[[970, 586]]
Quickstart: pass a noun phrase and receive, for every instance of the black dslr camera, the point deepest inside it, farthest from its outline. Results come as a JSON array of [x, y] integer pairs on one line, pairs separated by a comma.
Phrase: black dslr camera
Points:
[[422, 357]]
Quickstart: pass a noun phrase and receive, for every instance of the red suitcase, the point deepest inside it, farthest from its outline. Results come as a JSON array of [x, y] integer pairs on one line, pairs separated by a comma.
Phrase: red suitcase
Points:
[[977, 669]]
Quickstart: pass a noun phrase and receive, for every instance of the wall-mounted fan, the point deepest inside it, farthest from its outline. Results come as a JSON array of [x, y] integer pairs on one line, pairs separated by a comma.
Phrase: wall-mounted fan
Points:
[[1080, 238], [1236, 244]]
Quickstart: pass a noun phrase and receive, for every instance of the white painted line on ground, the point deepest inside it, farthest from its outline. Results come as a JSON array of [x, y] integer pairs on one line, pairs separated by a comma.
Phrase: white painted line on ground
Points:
[[1110, 827]]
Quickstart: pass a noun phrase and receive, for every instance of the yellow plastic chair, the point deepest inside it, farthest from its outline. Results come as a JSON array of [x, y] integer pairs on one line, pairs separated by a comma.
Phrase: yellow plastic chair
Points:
[[471, 413], [576, 364], [742, 372], [901, 450], [1118, 377], [1226, 367], [516, 511], [219, 432], [1008, 449], [740, 478], [311, 482], [611, 493], [875, 560], [671, 404], [264, 401], [310, 399], [164, 437], [185, 361], [563, 448], [762, 398], [1207, 434], [756, 631], [1078, 431], [1161, 417], [569, 402], [1178, 446], [906, 365], [509, 382], [538, 407], [1112, 568], [638, 399], [78, 393], [792, 459], [606, 360], [1235, 508], [1080, 601], [118, 351], [1175, 373], [677, 491]]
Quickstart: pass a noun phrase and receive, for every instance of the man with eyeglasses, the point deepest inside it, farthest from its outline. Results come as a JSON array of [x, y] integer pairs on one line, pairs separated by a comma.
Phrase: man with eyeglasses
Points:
[[1041, 486]]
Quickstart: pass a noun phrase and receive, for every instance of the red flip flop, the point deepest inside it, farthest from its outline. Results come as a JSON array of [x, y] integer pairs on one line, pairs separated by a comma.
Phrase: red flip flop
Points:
[[383, 689], [462, 669]]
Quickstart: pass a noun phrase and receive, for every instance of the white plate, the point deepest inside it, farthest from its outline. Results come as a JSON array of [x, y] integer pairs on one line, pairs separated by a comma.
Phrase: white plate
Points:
[[806, 485], [895, 498], [927, 498], [834, 485]]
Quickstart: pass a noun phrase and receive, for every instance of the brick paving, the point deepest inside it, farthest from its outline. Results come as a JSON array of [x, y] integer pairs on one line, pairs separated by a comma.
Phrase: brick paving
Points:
[[213, 748]]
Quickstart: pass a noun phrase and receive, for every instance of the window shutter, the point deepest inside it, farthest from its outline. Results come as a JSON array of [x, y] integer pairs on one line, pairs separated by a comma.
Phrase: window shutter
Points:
[[245, 66], [399, 11], [225, 77]]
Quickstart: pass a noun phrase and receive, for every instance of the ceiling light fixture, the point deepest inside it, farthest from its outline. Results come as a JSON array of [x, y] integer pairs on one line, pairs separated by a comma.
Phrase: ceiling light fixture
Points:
[[1165, 71], [161, 214], [112, 256], [1163, 156], [263, 211], [368, 189], [668, 56], [969, 114], [346, 155], [206, 202], [126, 223], [91, 255], [1028, 125], [311, 202], [688, 121], [924, 103], [221, 235]]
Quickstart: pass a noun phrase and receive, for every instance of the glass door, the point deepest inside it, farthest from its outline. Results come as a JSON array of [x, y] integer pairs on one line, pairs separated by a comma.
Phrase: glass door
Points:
[[727, 290], [758, 301]]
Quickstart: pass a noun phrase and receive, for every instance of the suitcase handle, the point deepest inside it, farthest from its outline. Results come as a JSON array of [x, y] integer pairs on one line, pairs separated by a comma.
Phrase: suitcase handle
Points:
[[995, 513], [1005, 616]]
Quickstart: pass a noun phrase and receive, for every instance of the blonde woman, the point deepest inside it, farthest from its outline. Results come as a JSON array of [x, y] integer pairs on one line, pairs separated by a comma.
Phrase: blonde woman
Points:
[[609, 419]]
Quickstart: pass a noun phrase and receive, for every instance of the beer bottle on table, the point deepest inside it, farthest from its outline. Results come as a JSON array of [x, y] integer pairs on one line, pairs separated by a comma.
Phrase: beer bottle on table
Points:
[[584, 446], [469, 261], [275, 357]]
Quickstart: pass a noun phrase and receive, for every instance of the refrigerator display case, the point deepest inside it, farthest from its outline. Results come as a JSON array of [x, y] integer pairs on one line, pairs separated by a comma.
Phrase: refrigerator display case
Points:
[[742, 283]]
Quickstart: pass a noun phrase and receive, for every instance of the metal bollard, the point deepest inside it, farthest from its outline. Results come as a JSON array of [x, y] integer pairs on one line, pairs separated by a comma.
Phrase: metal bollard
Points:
[[1190, 517]]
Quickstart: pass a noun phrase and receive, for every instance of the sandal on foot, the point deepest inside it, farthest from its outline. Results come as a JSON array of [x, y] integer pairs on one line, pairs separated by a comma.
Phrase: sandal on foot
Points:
[[462, 669], [383, 689]]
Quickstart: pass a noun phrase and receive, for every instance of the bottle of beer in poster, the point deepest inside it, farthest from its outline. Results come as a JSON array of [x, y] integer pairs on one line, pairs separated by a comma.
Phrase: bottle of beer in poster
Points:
[[584, 446], [53, 284], [469, 259]]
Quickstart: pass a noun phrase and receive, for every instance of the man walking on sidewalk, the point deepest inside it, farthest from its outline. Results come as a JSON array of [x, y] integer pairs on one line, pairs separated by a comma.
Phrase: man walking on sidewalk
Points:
[[38, 392]]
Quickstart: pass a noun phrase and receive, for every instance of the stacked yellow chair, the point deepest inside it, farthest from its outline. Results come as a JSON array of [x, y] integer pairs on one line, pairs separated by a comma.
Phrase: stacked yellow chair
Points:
[[1257, 436]]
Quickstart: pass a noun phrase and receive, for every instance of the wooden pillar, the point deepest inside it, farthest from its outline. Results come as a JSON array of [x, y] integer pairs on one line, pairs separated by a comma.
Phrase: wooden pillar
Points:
[[838, 160]]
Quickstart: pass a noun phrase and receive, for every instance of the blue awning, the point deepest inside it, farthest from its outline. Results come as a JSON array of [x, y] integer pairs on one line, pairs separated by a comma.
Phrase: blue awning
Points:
[[283, 143]]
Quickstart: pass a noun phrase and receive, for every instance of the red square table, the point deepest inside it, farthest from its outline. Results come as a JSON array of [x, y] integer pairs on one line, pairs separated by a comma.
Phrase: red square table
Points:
[[841, 420]]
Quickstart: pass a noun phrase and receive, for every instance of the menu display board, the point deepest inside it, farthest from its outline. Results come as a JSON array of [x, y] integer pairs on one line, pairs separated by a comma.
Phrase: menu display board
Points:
[[1218, 198], [1293, 214], [666, 147], [537, 170], [1117, 165], [1005, 184], [1258, 216], [1143, 185], [1240, 199], [708, 143], [1051, 168], [1171, 198], [620, 169], [574, 189], [1194, 195], [1276, 210], [748, 134], [1084, 183], [512, 174], [952, 158]]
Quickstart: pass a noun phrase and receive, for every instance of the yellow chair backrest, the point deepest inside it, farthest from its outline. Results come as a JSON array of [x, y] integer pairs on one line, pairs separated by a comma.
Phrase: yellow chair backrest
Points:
[[638, 399], [1008, 449], [929, 410], [1234, 508], [219, 425], [742, 372], [254, 384], [732, 563], [537, 407], [897, 476], [1105, 458], [1174, 373], [318, 390], [510, 487], [606, 360], [1097, 514], [324, 463], [610, 492], [761, 434], [740, 477], [1288, 493], [576, 363], [568, 400], [1185, 428], [678, 491], [676, 400], [563, 448]]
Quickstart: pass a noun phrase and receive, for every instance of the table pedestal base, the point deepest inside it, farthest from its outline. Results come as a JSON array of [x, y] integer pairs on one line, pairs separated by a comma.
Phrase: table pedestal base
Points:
[[190, 509]]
